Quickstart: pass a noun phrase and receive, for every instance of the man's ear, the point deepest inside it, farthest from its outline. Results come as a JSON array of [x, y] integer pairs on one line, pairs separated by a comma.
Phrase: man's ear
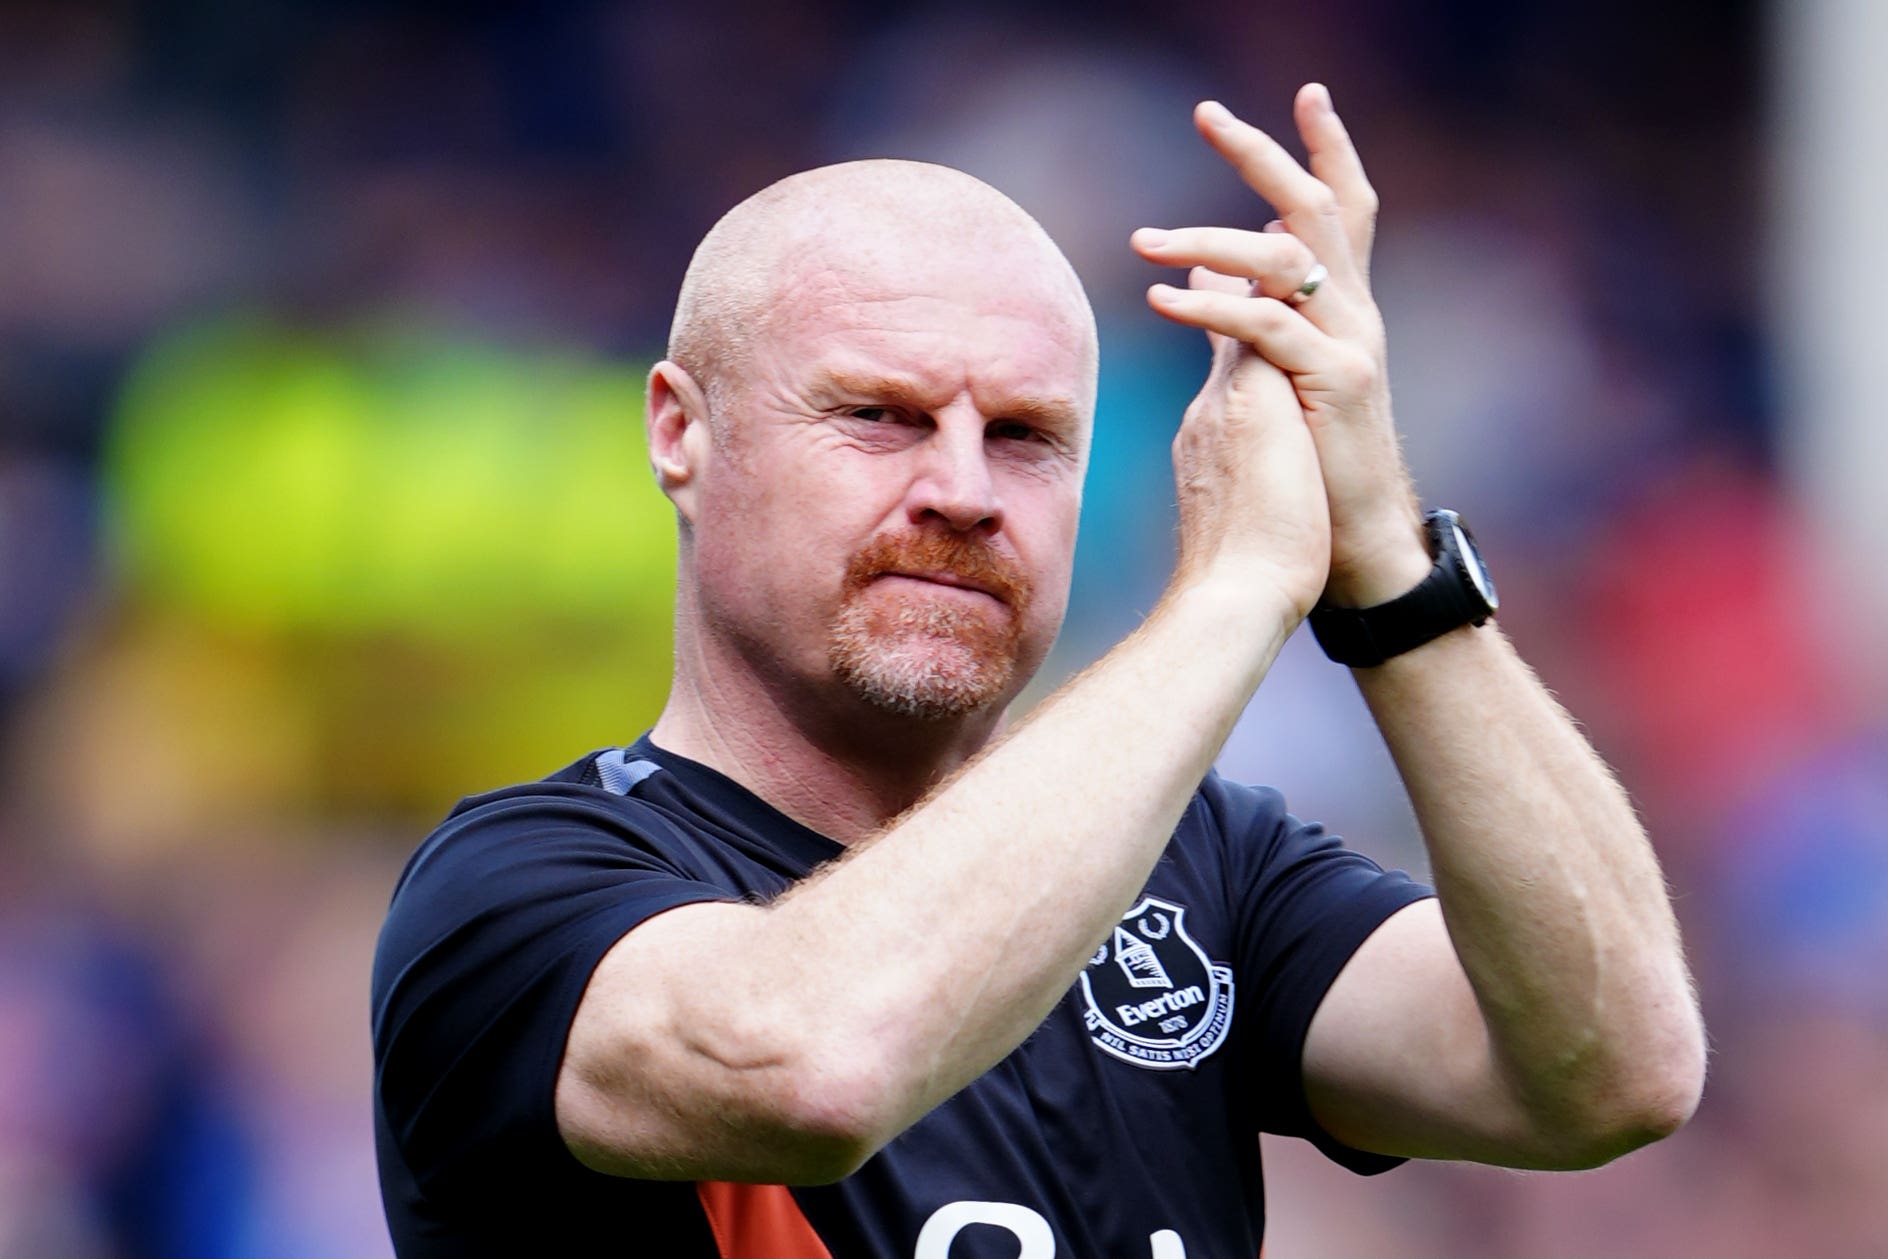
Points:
[[676, 418]]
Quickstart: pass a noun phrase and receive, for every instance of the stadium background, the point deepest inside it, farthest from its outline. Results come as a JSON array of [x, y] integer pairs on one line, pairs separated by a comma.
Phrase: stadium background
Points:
[[322, 503]]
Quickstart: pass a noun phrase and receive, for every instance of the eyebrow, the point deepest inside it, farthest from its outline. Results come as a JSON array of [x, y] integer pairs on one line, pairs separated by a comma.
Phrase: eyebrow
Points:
[[1046, 412]]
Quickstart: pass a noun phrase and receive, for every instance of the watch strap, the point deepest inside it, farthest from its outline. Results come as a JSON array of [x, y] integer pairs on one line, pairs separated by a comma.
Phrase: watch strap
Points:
[[1443, 601]]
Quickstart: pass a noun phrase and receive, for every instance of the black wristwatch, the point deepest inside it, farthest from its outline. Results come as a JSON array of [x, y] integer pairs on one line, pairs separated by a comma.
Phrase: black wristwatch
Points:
[[1457, 592]]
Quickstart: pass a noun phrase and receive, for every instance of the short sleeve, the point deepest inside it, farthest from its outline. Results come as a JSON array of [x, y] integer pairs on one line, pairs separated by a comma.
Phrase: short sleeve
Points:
[[1304, 905], [493, 933]]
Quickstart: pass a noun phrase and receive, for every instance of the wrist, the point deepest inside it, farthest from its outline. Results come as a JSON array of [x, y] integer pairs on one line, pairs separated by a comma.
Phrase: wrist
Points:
[[1237, 598], [1391, 567]]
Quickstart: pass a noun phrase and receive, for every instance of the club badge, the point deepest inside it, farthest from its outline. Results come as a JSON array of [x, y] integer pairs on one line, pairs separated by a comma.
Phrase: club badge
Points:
[[1153, 996]]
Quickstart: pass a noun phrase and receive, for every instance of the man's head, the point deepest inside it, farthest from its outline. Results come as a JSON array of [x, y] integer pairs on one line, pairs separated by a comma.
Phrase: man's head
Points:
[[874, 422]]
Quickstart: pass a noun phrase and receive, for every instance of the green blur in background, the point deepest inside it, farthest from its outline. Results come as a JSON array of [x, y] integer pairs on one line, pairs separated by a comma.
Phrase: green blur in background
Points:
[[449, 560]]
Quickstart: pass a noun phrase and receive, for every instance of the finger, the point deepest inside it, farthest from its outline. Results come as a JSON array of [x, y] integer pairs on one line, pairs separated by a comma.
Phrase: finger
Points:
[[1204, 279], [1307, 205], [1274, 329], [1233, 359], [1334, 160], [1277, 262], [1208, 280]]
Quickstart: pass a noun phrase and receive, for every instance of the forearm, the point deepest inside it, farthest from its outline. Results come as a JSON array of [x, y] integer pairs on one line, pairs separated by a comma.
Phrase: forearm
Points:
[[945, 941], [1552, 896]]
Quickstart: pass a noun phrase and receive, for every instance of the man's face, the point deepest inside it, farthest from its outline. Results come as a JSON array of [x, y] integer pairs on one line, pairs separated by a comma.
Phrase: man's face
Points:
[[893, 496]]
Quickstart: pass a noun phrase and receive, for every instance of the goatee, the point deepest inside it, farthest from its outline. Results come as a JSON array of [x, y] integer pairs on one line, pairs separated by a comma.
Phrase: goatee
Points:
[[930, 658]]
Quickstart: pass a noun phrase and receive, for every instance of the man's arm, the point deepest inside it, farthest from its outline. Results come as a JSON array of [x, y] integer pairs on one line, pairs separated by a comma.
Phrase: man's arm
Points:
[[1540, 1014], [788, 1042]]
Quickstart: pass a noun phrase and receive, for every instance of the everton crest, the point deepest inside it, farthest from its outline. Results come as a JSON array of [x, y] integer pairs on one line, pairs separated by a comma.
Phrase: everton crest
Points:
[[1153, 997]]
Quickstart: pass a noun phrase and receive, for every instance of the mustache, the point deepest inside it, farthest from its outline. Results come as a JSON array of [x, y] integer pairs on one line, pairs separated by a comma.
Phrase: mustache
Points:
[[972, 561]]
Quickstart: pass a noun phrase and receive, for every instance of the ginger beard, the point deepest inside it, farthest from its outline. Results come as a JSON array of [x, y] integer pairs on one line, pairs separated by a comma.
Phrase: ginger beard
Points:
[[928, 652]]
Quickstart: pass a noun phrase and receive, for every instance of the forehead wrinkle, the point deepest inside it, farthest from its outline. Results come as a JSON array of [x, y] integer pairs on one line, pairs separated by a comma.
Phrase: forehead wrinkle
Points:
[[914, 351]]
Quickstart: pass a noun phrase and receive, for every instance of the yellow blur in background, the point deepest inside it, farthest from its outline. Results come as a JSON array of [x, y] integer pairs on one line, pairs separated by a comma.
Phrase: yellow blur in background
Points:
[[368, 573]]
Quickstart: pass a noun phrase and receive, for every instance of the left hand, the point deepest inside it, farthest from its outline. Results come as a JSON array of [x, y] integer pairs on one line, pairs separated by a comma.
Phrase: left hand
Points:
[[1331, 344]]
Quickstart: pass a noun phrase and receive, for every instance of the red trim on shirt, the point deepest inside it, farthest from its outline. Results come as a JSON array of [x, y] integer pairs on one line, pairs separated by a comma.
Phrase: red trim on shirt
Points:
[[758, 1222]]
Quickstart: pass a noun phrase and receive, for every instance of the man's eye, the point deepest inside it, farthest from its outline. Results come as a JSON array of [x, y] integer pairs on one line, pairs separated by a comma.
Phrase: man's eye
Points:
[[1014, 431], [874, 415]]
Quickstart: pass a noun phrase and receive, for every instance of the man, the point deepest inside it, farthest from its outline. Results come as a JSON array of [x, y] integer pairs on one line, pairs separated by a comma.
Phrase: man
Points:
[[970, 990]]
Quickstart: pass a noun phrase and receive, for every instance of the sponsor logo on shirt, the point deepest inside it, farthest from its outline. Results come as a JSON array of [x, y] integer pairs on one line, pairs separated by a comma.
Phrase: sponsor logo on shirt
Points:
[[1032, 1232], [1152, 996]]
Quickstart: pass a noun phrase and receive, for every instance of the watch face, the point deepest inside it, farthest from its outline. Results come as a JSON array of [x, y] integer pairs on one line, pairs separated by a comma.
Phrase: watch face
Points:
[[1477, 571]]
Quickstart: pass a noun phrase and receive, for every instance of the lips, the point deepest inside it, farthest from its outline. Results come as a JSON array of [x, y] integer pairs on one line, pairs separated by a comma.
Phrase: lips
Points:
[[956, 580]]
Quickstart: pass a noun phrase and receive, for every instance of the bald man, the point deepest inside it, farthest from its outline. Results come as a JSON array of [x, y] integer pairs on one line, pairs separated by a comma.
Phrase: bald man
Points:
[[834, 963]]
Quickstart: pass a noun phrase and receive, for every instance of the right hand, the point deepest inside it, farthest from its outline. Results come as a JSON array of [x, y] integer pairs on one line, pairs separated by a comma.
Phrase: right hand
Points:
[[1251, 493]]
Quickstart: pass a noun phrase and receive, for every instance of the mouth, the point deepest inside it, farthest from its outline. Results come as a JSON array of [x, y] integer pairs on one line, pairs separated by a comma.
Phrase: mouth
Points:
[[941, 577]]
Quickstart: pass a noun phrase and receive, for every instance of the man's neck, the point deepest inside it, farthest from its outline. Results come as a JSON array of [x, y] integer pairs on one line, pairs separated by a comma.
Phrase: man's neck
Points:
[[829, 760]]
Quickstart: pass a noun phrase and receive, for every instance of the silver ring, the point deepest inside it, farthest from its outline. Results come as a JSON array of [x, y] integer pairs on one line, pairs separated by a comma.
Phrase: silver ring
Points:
[[1314, 280]]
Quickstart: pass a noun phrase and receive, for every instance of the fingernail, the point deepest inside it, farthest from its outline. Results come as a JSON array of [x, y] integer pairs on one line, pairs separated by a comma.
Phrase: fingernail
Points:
[[1323, 94], [1150, 237], [1215, 113], [1162, 291]]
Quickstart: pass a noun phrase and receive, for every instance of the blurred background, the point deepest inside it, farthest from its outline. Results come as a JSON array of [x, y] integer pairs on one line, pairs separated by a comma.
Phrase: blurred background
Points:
[[322, 503]]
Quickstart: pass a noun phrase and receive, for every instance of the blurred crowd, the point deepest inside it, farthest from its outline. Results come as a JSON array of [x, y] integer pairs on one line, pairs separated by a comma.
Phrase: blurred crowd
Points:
[[321, 504]]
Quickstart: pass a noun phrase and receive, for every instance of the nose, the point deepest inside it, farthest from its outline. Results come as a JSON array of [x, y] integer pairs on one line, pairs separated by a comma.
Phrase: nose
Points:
[[954, 483]]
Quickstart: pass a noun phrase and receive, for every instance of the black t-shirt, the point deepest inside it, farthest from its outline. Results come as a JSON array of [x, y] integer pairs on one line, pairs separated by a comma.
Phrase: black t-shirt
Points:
[[1126, 1125]]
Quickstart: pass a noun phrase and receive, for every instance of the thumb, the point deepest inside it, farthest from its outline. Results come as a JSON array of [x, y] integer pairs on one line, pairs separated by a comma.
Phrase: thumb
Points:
[[1237, 367], [1226, 351]]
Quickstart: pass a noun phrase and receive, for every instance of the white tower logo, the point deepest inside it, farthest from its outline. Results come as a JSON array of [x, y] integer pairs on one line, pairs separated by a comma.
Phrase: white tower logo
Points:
[[1136, 959]]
